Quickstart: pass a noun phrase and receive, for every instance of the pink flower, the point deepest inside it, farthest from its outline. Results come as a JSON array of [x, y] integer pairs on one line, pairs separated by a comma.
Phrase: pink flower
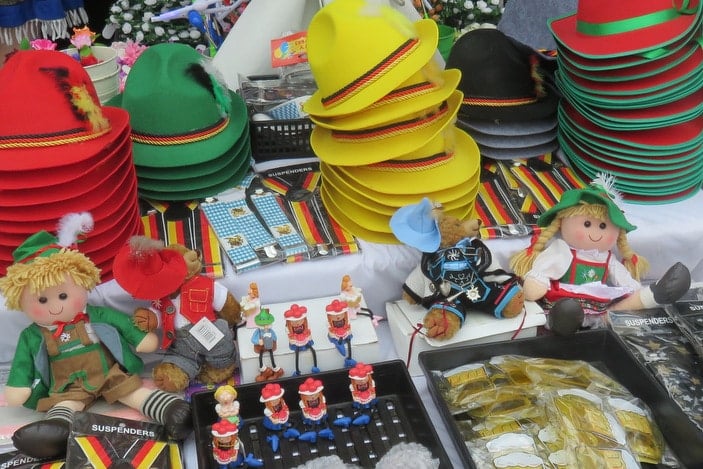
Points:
[[132, 51], [82, 37], [43, 44]]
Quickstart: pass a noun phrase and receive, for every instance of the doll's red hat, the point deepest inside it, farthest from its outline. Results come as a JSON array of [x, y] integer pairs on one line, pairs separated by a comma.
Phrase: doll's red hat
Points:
[[602, 28], [148, 271]]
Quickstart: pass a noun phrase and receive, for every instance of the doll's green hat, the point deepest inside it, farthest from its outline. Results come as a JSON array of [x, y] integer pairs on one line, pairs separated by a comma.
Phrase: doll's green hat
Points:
[[40, 244], [599, 192], [181, 113], [264, 318]]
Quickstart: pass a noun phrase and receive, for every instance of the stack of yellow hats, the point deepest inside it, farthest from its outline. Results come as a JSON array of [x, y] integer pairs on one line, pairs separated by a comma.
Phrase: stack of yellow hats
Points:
[[384, 116]]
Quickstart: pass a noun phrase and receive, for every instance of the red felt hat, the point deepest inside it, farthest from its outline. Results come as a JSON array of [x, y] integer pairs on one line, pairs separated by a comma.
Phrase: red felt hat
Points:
[[119, 190], [602, 28], [148, 271], [90, 184], [50, 114]]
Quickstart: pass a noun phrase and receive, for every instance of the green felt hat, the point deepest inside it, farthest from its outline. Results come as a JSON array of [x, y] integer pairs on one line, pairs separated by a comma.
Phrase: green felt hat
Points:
[[180, 113], [264, 318], [597, 192], [40, 244]]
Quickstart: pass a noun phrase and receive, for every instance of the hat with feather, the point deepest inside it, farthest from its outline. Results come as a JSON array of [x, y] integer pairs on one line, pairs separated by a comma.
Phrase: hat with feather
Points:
[[182, 115], [62, 152]]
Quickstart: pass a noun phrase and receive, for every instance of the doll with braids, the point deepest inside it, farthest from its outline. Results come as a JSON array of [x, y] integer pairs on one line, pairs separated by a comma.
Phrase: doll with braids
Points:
[[572, 266]]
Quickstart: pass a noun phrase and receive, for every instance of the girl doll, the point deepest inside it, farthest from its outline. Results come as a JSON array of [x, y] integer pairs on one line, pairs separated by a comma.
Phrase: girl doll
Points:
[[73, 353], [577, 275]]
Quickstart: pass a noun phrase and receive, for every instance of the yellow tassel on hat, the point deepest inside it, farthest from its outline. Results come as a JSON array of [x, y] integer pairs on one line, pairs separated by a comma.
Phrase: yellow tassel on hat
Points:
[[83, 101], [537, 77]]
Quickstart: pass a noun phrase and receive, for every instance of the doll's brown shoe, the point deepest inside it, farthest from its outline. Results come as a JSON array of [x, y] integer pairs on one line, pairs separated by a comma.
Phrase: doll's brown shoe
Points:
[[277, 373], [264, 375], [178, 419], [565, 317], [672, 285], [43, 438]]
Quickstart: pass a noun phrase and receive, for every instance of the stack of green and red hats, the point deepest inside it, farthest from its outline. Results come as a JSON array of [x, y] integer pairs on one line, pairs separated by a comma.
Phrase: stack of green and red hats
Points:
[[631, 74], [62, 152], [190, 133], [384, 116]]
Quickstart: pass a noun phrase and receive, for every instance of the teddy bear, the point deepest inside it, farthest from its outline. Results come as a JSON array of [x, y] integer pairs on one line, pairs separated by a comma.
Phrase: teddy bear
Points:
[[195, 313], [456, 273]]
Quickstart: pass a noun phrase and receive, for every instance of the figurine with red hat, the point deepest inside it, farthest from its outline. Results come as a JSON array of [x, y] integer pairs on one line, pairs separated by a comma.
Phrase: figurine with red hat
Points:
[[363, 391], [74, 353], [314, 408], [339, 330], [299, 335], [228, 449], [196, 313], [276, 414]]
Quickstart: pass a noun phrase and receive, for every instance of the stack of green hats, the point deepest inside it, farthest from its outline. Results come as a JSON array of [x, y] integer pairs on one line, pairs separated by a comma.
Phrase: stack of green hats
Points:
[[631, 75], [384, 119], [189, 132]]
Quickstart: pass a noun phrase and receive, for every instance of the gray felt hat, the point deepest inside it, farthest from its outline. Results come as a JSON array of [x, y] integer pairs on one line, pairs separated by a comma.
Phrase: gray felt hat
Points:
[[526, 21]]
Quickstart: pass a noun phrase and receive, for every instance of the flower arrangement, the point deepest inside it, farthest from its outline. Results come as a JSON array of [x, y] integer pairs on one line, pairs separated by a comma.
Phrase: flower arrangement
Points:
[[463, 15], [127, 53], [83, 39]]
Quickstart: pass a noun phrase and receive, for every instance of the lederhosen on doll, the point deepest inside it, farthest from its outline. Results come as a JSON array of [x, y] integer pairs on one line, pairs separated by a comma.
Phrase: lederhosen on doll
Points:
[[82, 369], [584, 281], [462, 280]]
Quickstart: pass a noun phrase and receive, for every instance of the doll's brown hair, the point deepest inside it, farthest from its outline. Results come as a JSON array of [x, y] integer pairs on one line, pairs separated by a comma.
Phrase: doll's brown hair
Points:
[[45, 272], [521, 262]]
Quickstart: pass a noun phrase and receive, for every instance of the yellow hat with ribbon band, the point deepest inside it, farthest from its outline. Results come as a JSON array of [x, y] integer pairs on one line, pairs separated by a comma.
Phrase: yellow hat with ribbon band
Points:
[[359, 51], [387, 141], [450, 159], [424, 89]]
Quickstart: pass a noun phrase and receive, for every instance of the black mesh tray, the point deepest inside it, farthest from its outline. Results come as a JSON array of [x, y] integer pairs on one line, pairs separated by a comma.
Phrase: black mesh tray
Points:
[[399, 417], [601, 348]]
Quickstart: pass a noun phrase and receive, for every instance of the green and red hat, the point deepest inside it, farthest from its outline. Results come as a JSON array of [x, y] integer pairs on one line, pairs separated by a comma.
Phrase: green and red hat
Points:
[[599, 192]]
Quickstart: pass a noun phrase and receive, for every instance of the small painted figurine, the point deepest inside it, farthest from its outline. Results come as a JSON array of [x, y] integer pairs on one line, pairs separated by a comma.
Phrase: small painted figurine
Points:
[[363, 391], [227, 448], [251, 305], [276, 415], [339, 330], [314, 409], [227, 407], [350, 295], [299, 335], [362, 386], [264, 340]]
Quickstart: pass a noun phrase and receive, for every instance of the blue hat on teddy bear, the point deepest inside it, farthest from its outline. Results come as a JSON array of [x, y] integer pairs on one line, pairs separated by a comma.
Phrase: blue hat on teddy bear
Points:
[[416, 226]]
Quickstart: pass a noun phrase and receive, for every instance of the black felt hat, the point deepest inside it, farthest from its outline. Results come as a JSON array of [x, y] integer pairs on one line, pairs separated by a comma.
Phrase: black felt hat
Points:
[[501, 78]]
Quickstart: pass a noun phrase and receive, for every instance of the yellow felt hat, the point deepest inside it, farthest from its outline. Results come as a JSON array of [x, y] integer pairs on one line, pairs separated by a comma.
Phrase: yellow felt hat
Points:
[[424, 89], [359, 51], [373, 220], [388, 204], [387, 141], [450, 159], [450, 193]]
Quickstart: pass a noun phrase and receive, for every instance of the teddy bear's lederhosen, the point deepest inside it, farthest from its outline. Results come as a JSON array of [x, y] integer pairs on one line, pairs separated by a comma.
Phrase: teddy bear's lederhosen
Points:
[[463, 268], [83, 370], [184, 350]]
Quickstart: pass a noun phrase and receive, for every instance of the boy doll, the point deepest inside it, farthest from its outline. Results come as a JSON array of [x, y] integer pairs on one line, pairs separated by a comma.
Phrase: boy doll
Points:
[[73, 353]]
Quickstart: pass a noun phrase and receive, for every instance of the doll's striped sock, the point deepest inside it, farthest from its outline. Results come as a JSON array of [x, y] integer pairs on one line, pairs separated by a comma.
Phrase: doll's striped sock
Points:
[[156, 403], [60, 413]]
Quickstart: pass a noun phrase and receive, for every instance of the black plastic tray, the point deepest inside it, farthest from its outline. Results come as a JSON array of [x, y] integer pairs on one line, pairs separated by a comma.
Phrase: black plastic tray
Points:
[[399, 417], [605, 351]]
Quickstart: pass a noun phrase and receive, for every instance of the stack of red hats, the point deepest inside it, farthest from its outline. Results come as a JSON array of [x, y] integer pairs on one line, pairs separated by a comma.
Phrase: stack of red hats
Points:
[[631, 74], [62, 152]]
